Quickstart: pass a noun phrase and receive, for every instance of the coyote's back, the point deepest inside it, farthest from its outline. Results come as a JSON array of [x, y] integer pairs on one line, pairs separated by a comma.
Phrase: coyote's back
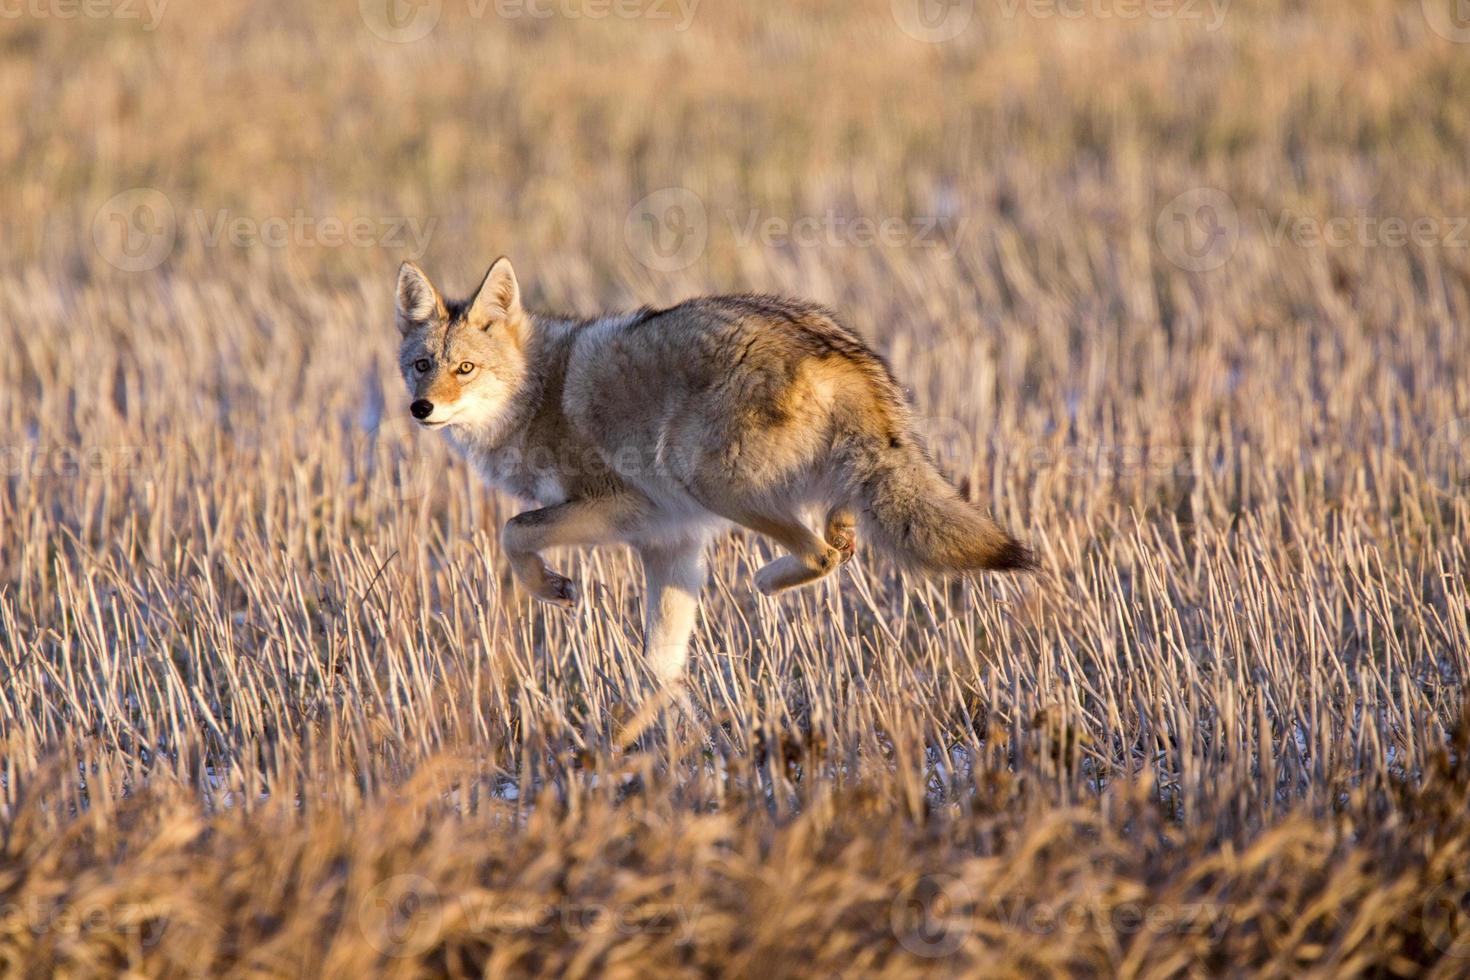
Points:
[[753, 407]]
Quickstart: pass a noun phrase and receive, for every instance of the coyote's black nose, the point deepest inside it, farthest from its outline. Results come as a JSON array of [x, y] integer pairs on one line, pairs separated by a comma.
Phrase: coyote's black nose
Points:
[[422, 408]]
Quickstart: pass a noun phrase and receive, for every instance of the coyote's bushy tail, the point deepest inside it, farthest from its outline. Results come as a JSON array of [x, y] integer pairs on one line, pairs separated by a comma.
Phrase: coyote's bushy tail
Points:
[[909, 510]]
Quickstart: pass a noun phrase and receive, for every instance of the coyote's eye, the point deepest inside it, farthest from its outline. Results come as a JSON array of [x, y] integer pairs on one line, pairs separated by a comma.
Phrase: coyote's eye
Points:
[[421, 365], [465, 367]]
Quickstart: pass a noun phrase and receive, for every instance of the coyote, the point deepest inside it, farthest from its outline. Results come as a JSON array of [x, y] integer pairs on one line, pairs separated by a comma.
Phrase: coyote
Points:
[[660, 427]]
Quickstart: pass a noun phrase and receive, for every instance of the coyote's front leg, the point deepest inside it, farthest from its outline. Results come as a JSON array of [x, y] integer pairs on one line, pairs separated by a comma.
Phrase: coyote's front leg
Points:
[[673, 576], [593, 521]]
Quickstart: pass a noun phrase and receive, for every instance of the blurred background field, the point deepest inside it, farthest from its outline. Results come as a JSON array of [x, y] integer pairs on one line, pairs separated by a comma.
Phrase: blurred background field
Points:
[[1181, 291]]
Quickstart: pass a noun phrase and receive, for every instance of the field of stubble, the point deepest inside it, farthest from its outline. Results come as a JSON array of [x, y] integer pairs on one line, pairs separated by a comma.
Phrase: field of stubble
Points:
[[1182, 296]]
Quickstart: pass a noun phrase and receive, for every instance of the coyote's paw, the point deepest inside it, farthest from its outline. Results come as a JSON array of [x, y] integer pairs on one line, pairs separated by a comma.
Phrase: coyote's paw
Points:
[[557, 590], [768, 578], [841, 532], [844, 539], [791, 571]]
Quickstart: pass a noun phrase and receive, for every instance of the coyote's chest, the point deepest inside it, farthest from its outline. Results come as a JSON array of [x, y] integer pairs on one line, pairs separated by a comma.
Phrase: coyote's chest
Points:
[[525, 473]]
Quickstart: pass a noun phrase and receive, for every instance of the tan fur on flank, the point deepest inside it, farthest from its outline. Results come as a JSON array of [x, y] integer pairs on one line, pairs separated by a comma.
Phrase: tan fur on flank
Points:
[[660, 428]]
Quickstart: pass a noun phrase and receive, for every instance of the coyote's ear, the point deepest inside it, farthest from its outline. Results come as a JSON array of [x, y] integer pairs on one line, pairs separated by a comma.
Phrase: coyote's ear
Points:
[[499, 297], [418, 301]]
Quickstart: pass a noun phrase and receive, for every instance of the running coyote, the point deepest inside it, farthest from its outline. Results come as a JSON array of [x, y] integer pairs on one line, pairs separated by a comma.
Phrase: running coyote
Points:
[[658, 428]]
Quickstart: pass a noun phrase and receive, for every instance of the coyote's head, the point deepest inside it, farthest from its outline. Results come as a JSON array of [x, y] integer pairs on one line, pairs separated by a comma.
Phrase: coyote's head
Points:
[[463, 362]]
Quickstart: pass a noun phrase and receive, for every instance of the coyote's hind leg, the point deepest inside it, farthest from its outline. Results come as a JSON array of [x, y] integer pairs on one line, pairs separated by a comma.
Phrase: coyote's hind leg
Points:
[[811, 558]]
